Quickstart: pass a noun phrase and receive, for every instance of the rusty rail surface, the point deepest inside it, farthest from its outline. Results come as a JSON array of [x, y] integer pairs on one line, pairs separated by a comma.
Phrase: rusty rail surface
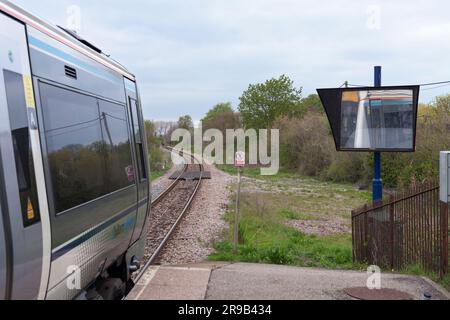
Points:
[[410, 229]]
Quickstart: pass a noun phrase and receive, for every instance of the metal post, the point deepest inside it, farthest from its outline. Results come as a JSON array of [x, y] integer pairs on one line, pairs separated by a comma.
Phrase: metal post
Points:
[[237, 216], [377, 188]]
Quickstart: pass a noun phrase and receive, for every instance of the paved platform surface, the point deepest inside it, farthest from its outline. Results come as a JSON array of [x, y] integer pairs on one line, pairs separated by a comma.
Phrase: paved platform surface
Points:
[[240, 281]]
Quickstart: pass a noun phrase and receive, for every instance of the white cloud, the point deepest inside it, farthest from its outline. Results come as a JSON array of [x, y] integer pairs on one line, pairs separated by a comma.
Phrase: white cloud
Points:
[[190, 54]]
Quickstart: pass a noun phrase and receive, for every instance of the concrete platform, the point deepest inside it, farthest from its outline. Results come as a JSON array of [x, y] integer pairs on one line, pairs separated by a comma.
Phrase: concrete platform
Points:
[[222, 281]]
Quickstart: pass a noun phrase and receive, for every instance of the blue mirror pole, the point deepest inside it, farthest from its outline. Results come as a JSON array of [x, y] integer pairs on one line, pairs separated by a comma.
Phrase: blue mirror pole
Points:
[[377, 188]]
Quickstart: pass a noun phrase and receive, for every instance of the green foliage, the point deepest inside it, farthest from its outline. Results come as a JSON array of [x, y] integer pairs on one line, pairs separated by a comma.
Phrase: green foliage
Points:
[[348, 167], [217, 111], [313, 103], [262, 104], [266, 241], [185, 122], [264, 235], [221, 117], [156, 157], [291, 215], [307, 147]]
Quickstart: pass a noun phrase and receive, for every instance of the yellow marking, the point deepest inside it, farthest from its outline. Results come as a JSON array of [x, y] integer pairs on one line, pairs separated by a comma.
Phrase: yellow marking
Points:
[[30, 210], [29, 95], [350, 96]]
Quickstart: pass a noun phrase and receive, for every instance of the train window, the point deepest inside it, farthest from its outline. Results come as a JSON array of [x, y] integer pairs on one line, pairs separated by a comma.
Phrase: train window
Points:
[[138, 140], [117, 145], [22, 147], [87, 139]]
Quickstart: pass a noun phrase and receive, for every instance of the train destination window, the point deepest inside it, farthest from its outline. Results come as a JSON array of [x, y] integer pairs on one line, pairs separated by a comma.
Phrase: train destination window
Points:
[[88, 146]]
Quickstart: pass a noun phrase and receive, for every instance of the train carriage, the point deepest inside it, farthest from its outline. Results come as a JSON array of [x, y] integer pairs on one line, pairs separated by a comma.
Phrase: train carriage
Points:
[[74, 172]]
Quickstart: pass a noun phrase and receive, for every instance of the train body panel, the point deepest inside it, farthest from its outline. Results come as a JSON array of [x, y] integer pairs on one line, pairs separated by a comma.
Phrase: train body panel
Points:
[[74, 169]]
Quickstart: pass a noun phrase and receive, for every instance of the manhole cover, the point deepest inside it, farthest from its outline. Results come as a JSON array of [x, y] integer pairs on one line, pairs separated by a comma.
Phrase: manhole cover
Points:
[[362, 293]]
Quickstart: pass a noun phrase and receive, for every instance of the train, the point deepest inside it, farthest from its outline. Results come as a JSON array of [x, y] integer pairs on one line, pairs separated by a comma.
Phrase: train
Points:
[[74, 168], [377, 119]]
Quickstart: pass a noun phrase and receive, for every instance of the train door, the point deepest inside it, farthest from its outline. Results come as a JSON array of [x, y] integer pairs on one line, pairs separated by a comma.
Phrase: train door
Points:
[[141, 169], [26, 250]]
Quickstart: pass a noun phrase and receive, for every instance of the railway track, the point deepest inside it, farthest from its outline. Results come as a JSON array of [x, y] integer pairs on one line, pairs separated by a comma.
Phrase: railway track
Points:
[[168, 209]]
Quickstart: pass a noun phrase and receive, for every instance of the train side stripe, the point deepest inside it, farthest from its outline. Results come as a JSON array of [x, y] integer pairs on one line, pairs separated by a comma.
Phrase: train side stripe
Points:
[[38, 44]]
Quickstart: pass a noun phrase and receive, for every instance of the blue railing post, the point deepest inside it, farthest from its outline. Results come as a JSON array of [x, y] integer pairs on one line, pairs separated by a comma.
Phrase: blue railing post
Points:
[[377, 189]]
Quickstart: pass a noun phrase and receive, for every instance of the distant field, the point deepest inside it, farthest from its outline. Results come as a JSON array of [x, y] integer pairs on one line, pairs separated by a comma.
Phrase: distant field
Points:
[[290, 219]]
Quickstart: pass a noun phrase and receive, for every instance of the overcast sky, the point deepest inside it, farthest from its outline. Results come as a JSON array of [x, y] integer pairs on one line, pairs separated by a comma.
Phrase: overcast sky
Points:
[[191, 54]]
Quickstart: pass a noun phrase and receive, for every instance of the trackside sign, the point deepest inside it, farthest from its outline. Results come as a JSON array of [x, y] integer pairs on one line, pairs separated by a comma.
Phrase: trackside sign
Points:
[[239, 160]]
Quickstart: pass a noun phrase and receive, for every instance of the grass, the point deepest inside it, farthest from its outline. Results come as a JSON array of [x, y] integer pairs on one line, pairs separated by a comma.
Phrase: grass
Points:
[[291, 215], [266, 241], [417, 270], [267, 202], [157, 174], [254, 172]]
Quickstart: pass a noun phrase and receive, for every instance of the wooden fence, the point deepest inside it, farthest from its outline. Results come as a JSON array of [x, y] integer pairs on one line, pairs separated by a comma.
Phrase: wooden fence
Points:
[[411, 228]]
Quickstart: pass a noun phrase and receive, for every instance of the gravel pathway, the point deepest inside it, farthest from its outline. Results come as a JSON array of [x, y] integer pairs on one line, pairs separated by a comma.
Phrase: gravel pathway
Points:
[[193, 240]]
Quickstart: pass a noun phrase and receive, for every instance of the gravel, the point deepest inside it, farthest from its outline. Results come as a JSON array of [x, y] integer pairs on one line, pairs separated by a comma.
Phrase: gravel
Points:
[[193, 239]]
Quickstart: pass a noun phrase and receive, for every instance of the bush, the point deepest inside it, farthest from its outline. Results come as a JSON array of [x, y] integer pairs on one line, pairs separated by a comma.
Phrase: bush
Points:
[[348, 167], [306, 144]]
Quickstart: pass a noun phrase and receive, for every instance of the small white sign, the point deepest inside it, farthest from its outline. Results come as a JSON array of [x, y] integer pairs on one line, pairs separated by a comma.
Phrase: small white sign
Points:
[[239, 160]]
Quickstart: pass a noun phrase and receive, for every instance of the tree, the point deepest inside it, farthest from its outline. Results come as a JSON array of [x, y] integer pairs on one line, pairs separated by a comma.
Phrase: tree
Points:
[[185, 122], [442, 103], [313, 103], [154, 146], [221, 117], [164, 130], [217, 110], [262, 104]]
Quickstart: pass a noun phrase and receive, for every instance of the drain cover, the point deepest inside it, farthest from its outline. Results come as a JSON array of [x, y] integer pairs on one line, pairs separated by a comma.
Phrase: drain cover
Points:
[[362, 293]]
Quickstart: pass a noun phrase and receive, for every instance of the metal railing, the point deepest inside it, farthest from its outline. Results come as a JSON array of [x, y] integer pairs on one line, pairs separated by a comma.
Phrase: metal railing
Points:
[[410, 229]]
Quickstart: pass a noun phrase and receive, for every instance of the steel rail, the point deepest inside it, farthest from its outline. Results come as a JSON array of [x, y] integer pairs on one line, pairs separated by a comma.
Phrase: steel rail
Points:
[[177, 222], [163, 194]]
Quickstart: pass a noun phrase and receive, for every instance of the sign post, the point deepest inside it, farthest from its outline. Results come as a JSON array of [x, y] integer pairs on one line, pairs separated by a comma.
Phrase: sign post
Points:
[[377, 188], [239, 162]]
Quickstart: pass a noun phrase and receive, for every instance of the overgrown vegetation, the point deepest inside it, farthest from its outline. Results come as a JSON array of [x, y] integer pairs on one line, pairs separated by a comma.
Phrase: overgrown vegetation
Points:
[[159, 161], [416, 270], [266, 205], [307, 146]]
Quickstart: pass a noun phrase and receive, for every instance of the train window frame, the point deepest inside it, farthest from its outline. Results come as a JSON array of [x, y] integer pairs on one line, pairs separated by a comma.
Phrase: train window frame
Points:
[[47, 167], [139, 145]]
